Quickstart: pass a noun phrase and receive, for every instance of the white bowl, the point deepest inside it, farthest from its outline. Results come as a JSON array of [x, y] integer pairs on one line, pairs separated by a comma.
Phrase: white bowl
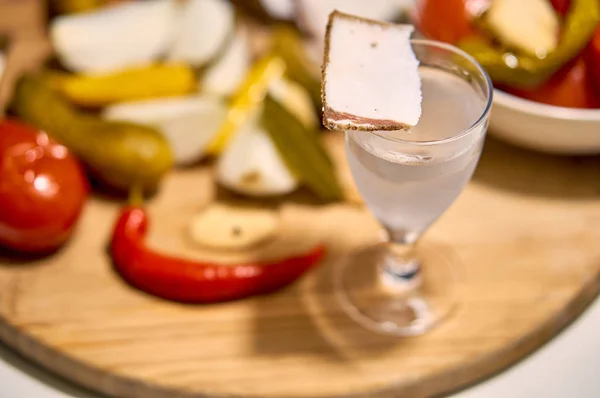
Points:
[[545, 128]]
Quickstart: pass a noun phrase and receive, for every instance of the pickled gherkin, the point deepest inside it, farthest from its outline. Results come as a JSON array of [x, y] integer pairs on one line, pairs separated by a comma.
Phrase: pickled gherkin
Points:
[[119, 154]]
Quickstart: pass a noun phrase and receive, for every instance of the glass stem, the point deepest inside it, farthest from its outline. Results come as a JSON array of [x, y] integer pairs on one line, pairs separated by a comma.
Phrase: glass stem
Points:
[[401, 267]]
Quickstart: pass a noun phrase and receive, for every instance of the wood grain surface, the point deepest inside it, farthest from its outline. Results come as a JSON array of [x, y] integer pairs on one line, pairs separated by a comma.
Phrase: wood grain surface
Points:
[[526, 231]]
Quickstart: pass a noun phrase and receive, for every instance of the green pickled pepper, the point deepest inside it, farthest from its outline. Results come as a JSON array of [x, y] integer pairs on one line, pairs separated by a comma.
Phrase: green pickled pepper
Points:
[[527, 71], [301, 151], [287, 44]]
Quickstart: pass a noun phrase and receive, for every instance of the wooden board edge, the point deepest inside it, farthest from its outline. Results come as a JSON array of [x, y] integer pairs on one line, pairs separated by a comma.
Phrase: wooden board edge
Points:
[[496, 362], [487, 366]]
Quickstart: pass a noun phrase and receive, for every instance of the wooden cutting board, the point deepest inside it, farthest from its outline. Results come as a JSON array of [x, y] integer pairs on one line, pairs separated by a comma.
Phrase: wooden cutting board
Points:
[[526, 231]]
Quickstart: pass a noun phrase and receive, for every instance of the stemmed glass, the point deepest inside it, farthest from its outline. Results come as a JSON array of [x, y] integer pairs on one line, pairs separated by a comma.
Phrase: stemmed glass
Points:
[[408, 180]]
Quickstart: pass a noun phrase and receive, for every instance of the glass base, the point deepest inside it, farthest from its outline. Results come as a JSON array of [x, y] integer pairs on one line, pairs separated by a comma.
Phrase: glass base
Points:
[[401, 301]]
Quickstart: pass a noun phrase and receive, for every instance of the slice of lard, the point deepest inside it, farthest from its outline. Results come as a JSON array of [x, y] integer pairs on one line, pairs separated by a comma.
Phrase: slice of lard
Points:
[[370, 75]]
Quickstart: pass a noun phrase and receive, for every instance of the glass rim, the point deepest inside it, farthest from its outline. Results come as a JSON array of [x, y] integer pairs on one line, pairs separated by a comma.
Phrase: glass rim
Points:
[[480, 120]]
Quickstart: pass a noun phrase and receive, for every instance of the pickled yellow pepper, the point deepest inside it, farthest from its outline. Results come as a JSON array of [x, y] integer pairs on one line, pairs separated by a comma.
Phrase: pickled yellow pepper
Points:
[[96, 90]]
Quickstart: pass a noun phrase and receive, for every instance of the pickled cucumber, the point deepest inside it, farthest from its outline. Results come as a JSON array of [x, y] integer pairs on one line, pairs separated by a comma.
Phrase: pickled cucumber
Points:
[[120, 154]]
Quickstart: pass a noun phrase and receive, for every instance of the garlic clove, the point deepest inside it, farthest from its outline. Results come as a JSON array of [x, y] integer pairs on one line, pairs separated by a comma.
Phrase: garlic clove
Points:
[[227, 227]]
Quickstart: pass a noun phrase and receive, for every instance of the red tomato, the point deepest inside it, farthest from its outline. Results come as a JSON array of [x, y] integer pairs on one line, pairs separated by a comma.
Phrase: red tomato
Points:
[[447, 20], [42, 189], [593, 57], [571, 87], [561, 6]]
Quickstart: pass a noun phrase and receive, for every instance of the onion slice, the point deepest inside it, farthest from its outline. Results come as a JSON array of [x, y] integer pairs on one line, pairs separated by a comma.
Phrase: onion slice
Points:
[[204, 28], [189, 123]]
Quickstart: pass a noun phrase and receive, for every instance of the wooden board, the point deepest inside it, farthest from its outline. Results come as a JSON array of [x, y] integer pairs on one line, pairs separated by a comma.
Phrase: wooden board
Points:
[[526, 231]]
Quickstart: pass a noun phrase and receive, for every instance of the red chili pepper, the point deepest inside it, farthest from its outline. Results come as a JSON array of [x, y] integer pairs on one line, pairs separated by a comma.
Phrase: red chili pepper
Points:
[[192, 281]]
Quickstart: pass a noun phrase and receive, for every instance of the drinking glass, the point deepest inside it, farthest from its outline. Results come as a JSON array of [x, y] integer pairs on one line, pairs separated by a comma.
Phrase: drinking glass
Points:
[[408, 179]]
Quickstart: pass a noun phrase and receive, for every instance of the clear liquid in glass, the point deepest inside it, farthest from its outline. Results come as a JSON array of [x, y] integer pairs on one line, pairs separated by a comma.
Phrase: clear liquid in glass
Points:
[[407, 187]]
